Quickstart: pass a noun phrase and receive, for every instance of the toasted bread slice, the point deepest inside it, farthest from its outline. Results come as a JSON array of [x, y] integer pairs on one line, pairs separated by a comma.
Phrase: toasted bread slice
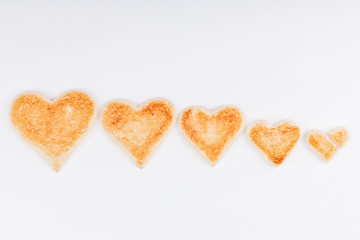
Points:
[[138, 130], [53, 128], [211, 132], [327, 145], [322, 144], [340, 135], [275, 142]]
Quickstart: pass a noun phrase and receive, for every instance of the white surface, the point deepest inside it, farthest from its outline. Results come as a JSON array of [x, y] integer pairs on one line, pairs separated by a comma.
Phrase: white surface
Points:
[[272, 59]]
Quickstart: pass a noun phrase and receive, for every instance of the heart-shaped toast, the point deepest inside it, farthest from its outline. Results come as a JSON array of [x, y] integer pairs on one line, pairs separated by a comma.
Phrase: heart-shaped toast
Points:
[[340, 135], [327, 145], [211, 132], [275, 142], [138, 130], [53, 128]]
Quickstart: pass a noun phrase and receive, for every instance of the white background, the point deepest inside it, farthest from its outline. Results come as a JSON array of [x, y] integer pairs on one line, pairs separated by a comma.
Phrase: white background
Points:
[[275, 60]]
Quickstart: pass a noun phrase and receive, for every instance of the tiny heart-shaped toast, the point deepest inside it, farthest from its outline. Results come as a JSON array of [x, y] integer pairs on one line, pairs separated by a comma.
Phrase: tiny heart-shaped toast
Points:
[[275, 142], [138, 130], [326, 146], [340, 135], [211, 132], [53, 128]]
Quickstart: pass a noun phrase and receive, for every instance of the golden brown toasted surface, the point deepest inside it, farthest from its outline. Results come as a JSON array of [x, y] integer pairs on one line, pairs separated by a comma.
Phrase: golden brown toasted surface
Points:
[[321, 144], [53, 128], [211, 132], [275, 142], [340, 136], [138, 131]]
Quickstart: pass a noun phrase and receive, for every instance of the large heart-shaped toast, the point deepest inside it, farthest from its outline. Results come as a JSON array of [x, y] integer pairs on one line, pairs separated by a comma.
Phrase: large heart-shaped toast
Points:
[[327, 145], [138, 130], [275, 142], [211, 132], [53, 128]]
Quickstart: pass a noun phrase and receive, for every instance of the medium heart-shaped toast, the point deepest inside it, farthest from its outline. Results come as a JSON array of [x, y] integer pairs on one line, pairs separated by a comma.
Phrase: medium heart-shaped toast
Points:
[[275, 142], [138, 130], [211, 132], [53, 128], [327, 145]]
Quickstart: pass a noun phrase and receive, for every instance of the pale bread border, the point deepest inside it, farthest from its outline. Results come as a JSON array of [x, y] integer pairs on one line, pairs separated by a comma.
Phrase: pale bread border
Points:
[[211, 112], [139, 107], [63, 158]]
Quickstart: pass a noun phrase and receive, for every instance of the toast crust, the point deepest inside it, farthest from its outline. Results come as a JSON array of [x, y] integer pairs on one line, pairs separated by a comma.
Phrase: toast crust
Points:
[[211, 132], [138, 130], [53, 128]]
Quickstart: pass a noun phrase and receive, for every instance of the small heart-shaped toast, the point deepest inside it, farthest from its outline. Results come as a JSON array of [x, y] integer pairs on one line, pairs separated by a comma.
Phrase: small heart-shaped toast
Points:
[[275, 142], [340, 135], [138, 130], [211, 132], [322, 144], [53, 128], [326, 146]]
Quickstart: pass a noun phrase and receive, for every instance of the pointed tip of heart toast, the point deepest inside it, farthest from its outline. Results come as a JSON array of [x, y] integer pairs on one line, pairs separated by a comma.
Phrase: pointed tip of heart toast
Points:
[[275, 142], [211, 132], [138, 129], [53, 128], [57, 164]]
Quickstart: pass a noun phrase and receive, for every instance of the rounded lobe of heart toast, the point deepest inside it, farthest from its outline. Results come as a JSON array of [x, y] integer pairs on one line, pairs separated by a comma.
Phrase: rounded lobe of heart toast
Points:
[[211, 132], [138, 131], [275, 142], [53, 128], [340, 136], [321, 143]]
